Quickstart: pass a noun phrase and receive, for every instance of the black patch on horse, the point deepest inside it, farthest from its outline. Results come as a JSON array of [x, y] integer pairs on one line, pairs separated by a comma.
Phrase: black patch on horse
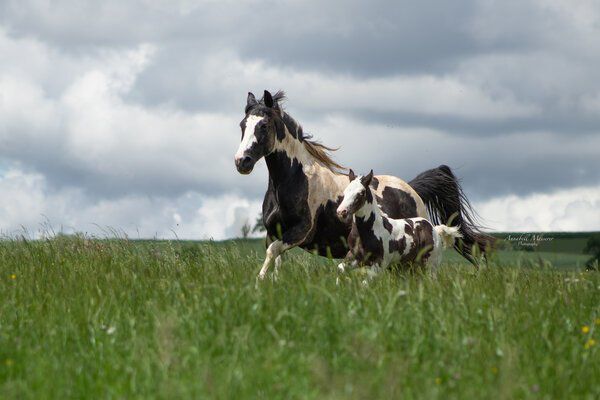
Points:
[[370, 247], [293, 128], [386, 224], [330, 232], [397, 245], [422, 245], [408, 228], [288, 193], [397, 203]]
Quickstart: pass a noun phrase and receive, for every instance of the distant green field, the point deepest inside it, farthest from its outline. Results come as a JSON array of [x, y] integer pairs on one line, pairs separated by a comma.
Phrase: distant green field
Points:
[[121, 319], [551, 242]]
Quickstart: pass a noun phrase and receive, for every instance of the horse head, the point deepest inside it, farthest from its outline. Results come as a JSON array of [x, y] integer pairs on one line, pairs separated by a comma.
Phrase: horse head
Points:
[[260, 127], [355, 194]]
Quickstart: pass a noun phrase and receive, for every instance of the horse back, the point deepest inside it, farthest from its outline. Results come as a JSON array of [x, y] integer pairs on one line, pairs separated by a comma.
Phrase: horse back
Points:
[[396, 198]]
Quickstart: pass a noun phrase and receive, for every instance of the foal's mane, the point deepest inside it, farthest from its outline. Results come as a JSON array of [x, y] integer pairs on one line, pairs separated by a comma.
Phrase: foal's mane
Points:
[[315, 148]]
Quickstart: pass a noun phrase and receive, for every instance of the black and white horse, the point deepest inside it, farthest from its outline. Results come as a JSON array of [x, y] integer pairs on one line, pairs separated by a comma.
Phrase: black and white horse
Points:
[[378, 241], [306, 185]]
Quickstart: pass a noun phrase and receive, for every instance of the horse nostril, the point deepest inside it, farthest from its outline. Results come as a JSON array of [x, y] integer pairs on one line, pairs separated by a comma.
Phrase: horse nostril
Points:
[[244, 164], [245, 161]]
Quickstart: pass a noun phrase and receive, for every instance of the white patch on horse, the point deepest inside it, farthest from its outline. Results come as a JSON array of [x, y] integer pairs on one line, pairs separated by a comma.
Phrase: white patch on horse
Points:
[[323, 184], [354, 189], [249, 137]]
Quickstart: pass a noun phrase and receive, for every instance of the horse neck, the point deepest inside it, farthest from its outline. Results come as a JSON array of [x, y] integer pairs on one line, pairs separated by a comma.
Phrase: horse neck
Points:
[[296, 153], [370, 207], [291, 143]]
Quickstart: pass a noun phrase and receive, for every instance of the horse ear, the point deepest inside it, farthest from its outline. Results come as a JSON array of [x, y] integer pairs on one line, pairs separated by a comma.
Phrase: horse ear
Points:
[[351, 175], [366, 180], [251, 101], [268, 99]]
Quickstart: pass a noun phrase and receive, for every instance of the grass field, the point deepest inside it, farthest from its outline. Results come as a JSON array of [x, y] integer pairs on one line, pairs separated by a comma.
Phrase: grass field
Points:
[[120, 319]]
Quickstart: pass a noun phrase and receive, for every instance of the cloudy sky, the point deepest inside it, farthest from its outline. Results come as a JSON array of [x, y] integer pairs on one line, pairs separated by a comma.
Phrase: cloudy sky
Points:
[[124, 114]]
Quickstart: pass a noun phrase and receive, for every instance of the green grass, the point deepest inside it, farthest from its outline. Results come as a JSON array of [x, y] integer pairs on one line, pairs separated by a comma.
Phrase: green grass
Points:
[[119, 319]]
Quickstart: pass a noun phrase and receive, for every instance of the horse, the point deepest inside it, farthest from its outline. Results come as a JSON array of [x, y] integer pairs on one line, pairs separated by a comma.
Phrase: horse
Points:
[[378, 241], [306, 185]]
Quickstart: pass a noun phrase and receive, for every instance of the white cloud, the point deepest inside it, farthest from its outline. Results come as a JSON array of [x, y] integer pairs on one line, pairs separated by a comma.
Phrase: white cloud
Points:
[[84, 146], [563, 210], [88, 128], [29, 204]]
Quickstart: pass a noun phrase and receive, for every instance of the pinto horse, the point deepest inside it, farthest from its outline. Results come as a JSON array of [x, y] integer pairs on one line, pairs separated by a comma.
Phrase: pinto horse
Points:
[[378, 241], [306, 186]]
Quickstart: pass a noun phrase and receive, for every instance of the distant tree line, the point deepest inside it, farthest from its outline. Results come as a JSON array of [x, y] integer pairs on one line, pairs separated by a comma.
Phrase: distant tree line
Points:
[[593, 247]]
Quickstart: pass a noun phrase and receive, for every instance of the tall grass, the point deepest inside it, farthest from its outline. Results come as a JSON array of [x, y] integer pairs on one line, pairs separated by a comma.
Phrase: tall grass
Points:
[[84, 318]]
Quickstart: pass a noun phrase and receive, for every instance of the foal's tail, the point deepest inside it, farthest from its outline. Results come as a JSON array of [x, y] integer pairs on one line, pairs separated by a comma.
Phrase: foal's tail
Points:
[[448, 234], [447, 204]]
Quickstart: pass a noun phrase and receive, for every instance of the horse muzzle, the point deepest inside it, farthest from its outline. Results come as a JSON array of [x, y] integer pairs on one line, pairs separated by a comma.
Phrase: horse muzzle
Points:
[[342, 213], [244, 164]]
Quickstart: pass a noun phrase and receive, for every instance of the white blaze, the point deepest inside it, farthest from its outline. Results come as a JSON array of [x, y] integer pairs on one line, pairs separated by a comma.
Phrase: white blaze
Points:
[[352, 190], [249, 138]]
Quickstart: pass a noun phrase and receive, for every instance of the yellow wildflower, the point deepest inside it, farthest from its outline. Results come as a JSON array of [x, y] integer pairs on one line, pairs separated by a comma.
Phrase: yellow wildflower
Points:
[[8, 362], [13, 276], [438, 381], [585, 329], [589, 344], [598, 321]]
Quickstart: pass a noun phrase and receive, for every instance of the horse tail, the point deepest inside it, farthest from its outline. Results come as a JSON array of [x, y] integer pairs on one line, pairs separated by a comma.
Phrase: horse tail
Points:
[[447, 204], [448, 234]]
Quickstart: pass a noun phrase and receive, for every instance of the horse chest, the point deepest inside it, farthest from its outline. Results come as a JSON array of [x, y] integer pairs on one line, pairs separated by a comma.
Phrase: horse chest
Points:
[[366, 244]]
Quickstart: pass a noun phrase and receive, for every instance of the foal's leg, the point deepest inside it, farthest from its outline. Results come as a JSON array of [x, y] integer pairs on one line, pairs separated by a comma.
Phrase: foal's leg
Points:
[[348, 264], [345, 266], [274, 250]]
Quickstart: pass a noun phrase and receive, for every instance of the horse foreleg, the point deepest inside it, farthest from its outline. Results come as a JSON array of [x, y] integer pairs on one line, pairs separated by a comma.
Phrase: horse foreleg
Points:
[[274, 251], [348, 264], [345, 266]]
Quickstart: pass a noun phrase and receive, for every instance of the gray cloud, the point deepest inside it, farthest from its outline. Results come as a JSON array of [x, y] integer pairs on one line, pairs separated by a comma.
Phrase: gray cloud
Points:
[[142, 98]]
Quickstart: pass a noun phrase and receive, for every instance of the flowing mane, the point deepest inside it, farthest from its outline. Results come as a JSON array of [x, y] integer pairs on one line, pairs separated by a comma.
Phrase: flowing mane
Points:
[[319, 151]]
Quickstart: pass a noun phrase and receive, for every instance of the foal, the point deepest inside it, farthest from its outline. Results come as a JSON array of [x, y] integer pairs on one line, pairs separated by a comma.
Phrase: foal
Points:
[[378, 241]]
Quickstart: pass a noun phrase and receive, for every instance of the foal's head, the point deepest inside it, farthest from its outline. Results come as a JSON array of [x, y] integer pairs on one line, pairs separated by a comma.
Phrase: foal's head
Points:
[[355, 194], [260, 126]]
